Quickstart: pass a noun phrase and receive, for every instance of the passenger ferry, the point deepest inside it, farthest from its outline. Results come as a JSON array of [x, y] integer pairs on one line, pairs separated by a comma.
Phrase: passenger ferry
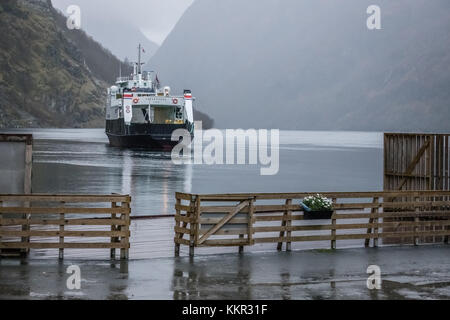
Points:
[[140, 114]]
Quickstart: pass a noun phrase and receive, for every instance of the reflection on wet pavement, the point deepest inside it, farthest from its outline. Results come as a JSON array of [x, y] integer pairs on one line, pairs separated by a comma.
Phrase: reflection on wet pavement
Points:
[[407, 273]]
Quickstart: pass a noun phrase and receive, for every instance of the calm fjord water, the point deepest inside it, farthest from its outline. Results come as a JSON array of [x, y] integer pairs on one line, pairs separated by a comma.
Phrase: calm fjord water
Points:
[[81, 161]]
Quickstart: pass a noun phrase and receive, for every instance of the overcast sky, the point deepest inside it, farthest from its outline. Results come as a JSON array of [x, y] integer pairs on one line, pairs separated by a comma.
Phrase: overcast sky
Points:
[[155, 18]]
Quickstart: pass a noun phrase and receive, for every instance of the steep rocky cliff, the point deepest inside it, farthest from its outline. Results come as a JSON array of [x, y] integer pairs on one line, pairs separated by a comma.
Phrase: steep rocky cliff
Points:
[[50, 76]]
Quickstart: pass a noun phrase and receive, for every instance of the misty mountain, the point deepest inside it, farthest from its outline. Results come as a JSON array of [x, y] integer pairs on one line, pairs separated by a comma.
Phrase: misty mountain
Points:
[[117, 25], [123, 40], [313, 64], [50, 76]]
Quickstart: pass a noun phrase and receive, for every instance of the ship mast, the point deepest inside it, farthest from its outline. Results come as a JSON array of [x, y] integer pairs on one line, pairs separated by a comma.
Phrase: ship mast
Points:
[[139, 60]]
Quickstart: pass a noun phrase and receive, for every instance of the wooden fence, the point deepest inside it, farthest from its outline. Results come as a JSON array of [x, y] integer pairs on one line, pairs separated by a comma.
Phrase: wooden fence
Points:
[[246, 219], [61, 222], [416, 161]]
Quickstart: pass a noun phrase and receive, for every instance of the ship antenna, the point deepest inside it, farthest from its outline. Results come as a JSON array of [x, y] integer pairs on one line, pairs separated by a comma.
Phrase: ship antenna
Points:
[[139, 63]]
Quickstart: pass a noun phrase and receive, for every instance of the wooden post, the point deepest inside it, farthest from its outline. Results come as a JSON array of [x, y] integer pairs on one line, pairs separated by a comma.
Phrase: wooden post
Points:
[[251, 221], [125, 240], [113, 228], [416, 228], [189, 214], [376, 229], [61, 230], [288, 224], [25, 228], [373, 211], [283, 230], [1, 217], [177, 224], [27, 187], [333, 228], [193, 227]]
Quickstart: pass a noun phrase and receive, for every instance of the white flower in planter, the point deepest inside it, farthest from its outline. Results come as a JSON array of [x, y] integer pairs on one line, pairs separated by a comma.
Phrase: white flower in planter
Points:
[[317, 203]]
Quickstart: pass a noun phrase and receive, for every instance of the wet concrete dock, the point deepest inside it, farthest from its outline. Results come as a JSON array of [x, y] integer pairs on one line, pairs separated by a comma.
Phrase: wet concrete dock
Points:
[[407, 273]]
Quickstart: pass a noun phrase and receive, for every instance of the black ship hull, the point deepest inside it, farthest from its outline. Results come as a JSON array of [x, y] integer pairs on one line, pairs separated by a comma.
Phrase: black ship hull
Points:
[[147, 136]]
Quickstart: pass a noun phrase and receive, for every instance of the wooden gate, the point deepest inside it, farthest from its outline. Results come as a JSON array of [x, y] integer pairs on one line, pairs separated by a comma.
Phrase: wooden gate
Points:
[[416, 161], [220, 225]]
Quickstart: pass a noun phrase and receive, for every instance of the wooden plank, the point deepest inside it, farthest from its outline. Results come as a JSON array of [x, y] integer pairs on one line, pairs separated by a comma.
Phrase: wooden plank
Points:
[[204, 221], [180, 207], [7, 137], [349, 226], [57, 222], [405, 234], [339, 195], [67, 245], [182, 230], [65, 210], [66, 198], [412, 175], [277, 218], [292, 239], [186, 219], [347, 236], [416, 203], [223, 221], [338, 206], [184, 196], [395, 215], [224, 243], [257, 209], [64, 233], [181, 241]]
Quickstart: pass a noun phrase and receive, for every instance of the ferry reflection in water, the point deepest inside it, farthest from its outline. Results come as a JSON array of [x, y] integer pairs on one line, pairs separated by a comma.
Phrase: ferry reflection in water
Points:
[[90, 166], [150, 176]]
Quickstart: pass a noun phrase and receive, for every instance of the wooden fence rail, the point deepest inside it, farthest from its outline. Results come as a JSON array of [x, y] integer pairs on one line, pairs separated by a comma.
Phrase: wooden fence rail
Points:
[[39, 221], [246, 219]]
